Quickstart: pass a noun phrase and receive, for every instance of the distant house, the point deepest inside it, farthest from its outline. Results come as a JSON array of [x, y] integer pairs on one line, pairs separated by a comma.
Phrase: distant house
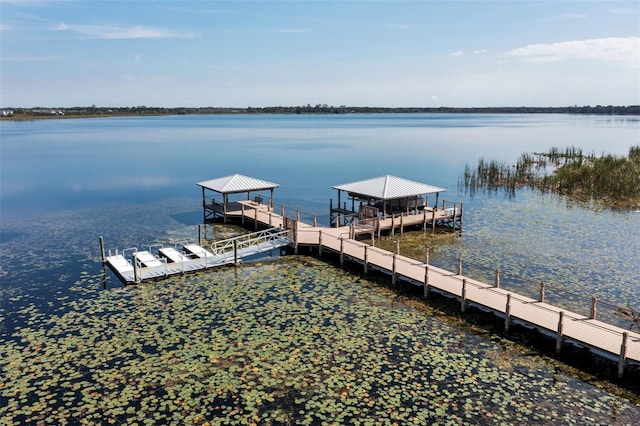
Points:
[[7, 113]]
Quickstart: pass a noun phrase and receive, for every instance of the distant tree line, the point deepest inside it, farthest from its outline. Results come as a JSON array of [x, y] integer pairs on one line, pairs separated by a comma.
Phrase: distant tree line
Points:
[[93, 110]]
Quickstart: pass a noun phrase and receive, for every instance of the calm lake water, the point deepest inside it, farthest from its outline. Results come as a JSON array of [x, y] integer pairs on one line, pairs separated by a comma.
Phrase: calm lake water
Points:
[[290, 340]]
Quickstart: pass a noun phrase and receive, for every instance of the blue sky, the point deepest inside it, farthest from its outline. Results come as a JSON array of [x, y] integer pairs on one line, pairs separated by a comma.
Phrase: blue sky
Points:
[[356, 53]]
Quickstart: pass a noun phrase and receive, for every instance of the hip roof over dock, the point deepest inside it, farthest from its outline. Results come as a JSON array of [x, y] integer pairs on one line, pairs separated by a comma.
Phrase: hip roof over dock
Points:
[[237, 183], [388, 188]]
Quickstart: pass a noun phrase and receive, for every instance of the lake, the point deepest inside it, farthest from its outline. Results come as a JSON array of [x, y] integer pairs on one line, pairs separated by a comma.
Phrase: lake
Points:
[[288, 340]]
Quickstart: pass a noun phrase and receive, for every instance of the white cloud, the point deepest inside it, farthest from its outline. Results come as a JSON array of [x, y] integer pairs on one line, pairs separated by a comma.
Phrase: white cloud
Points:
[[568, 17], [456, 54], [396, 26], [116, 32], [626, 50], [26, 58]]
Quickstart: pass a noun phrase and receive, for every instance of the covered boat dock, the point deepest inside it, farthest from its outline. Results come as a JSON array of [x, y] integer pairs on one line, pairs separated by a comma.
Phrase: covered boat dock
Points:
[[220, 203], [387, 202]]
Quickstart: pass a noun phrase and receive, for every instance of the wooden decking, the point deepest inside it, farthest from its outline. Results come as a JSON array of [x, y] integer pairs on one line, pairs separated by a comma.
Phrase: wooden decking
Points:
[[604, 339]]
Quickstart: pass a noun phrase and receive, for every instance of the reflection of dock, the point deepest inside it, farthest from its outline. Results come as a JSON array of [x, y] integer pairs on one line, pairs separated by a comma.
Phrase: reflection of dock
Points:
[[133, 266]]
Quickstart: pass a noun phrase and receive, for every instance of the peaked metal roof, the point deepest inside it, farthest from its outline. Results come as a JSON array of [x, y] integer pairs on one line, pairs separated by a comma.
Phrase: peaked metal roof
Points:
[[388, 188], [237, 183]]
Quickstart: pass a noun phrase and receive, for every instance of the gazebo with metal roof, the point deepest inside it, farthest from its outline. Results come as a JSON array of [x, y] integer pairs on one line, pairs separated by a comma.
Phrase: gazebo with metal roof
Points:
[[229, 185], [390, 193]]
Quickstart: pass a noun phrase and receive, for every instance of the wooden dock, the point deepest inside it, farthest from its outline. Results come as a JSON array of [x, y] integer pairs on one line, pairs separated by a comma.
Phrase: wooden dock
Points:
[[134, 266], [606, 340]]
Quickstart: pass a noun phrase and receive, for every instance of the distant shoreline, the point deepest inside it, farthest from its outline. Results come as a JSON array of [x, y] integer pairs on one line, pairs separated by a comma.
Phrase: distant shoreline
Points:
[[19, 114]]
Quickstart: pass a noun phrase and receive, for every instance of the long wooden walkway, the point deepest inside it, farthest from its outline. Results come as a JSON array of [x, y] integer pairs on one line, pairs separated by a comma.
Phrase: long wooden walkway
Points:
[[603, 339]]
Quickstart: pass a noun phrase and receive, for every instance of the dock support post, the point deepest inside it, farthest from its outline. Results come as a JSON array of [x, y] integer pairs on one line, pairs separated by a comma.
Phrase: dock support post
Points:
[[426, 282], [341, 251], [242, 213], [256, 218], [393, 274], [401, 224], [433, 221], [298, 215], [270, 219], [235, 252], [315, 220], [104, 259], [463, 301], [496, 282], [366, 260], [461, 210], [426, 256], [397, 246], [594, 309], [392, 224], [507, 314], [453, 221], [459, 266], [424, 219], [559, 333], [199, 235], [136, 273], [541, 296], [320, 243], [623, 354]]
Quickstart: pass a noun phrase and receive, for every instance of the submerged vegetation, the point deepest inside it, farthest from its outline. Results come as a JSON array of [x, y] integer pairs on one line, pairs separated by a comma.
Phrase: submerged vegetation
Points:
[[606, 180]]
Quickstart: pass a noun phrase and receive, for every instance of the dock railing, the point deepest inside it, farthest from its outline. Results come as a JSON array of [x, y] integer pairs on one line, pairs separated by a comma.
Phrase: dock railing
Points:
[[566, 324]]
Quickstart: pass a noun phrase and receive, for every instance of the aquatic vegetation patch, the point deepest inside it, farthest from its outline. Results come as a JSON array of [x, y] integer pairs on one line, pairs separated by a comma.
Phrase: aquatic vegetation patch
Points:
[[288, 342], [606, 180]]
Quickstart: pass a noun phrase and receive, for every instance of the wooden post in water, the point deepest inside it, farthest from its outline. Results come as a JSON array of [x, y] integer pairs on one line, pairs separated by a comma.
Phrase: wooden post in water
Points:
[[199, 235], [453, 222], [424, 219], [507, 314], [366, 260], [392, 224], [541, 296], [270, 219], [426, 256], [461, 215], [401, 224], [623, 354], [315, 220], [320, 243], [433, 222], [104, 258], [397, 246], [496, 282], [255, 219], [559, 335], [341, 251], [426, 282], [594, 309], [393, 274], [242, 213], [298, 215], [235, 252], [460, 266], [136, 274], [463, 300]]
